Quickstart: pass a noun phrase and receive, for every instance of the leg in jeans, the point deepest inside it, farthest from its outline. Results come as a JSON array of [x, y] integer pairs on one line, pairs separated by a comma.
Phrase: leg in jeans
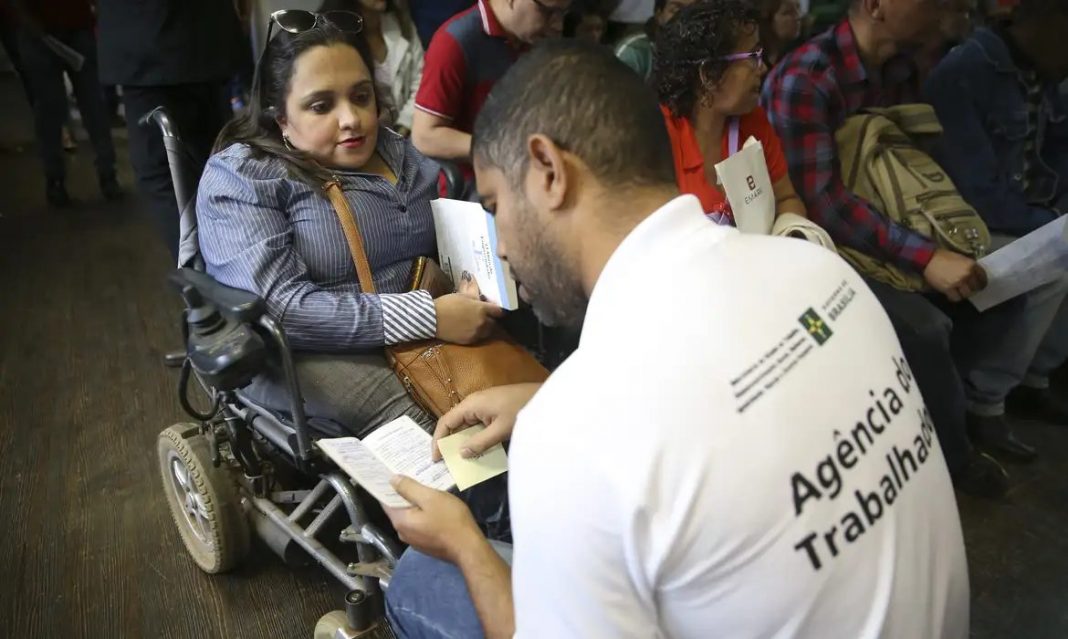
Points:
[[924, 333], [1052, 352], [90, 97], [44, 71], [428, 599], [1047, 306]]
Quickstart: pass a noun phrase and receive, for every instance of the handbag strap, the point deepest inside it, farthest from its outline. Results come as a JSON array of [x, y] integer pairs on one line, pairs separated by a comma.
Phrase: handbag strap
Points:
[[352, 234]]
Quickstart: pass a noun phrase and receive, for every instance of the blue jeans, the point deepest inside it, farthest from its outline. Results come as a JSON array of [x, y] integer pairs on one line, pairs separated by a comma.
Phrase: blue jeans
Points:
[[428, 599], [1046, 327]]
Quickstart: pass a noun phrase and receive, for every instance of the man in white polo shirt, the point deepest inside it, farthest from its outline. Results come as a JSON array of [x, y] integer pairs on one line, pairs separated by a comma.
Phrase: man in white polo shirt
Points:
[[737, 448]]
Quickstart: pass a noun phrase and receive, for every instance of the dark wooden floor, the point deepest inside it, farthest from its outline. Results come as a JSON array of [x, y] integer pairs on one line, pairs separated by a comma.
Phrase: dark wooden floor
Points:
[[86, 543]]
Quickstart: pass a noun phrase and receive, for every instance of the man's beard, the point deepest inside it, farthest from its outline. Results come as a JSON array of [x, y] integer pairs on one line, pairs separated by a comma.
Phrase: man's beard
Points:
[[552, 286]]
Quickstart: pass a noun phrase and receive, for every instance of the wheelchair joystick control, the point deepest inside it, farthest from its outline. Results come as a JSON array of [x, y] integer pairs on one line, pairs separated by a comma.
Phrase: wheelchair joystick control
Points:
[[226, 353]]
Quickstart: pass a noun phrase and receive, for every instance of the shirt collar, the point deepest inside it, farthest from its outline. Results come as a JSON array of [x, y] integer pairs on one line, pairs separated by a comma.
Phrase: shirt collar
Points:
[[686, 138], [681, 217], [490, 24], [897, 70], [853, 71]]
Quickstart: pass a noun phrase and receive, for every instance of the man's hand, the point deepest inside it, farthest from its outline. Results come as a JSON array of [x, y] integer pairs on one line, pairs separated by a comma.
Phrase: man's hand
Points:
[[496, 408], [438, 523], [954, 275]]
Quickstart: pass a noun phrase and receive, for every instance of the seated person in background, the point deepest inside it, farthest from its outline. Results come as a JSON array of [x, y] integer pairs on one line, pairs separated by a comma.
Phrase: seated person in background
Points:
[[265, 226], [465, 58], [658, 489], [396, 50], [867, 61], [1006, 147], [780, 26], [586, 21], [636, 51], [428, 15], [707, 76]]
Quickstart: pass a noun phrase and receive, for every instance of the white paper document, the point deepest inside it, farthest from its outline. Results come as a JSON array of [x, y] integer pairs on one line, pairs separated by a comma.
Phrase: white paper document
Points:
[[469, 472], [467, 243], [1037, 258], [400, 447], [746, 183]]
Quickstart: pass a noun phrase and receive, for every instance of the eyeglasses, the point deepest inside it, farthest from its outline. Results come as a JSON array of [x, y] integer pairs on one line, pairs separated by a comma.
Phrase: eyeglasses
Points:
[[551, 12], [755, 58], [298, 21]]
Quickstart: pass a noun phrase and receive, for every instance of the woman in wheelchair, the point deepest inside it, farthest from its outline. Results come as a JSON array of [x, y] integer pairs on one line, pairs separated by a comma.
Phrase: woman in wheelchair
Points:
[[266, 226]]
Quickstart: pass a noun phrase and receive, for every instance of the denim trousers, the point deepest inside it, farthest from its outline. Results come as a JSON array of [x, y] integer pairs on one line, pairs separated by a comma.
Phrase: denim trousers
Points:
[[428, 599]]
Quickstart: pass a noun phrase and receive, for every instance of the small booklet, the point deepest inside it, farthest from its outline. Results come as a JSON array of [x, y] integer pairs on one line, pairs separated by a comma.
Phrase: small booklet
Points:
[[400, 447], [467, 243], [748, 187]]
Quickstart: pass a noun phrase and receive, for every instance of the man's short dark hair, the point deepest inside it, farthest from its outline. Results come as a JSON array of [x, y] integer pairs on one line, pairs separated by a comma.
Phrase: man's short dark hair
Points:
[[585, 100]]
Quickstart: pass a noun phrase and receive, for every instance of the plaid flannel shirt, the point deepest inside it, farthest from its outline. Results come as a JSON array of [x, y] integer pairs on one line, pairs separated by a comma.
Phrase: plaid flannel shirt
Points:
[[808, 96]]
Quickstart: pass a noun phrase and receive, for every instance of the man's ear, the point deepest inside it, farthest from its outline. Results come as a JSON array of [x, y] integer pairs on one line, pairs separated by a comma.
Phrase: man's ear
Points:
[[547, 174], [873, 8]]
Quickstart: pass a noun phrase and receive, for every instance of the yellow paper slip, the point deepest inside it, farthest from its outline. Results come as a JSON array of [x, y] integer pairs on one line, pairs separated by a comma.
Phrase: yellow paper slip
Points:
[[468, 472]]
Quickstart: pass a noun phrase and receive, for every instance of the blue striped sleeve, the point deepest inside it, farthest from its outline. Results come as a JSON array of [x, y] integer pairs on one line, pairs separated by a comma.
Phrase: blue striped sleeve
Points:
[[246, 240], [408, 317]]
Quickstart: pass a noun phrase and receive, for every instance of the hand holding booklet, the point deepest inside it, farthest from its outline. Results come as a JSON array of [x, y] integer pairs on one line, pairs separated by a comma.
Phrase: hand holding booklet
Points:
[[467, 243], [401, 447]]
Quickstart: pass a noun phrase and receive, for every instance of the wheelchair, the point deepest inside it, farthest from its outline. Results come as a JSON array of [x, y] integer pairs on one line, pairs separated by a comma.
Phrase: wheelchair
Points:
[[239, 468]]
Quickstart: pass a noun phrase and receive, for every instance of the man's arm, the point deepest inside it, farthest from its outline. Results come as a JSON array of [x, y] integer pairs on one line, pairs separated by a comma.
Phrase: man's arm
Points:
[[440, 100], [489, 582], [440, 525], [434, 136], [800, 112]]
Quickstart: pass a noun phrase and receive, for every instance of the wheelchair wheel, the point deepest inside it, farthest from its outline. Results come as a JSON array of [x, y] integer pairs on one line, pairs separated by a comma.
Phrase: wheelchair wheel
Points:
[[203, 500], [335, 625]]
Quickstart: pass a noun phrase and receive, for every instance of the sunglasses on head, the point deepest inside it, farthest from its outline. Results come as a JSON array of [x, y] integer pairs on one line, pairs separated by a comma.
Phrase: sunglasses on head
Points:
[[298, 21]]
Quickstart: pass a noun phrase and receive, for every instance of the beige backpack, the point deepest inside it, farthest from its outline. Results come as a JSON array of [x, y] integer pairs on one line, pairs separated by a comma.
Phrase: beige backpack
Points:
[[882, 161]]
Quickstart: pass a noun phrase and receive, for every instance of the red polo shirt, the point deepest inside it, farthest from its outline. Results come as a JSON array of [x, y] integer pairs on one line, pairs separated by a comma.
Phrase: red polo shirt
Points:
[[690, 164], [466, 57]]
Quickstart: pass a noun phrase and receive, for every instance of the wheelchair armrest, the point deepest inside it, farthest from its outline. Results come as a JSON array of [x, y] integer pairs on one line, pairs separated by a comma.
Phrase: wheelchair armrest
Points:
[[232, 302], [455, 183]]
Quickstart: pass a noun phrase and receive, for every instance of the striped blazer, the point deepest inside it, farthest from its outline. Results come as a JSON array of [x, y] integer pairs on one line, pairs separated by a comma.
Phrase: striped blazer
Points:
[[262, 231]]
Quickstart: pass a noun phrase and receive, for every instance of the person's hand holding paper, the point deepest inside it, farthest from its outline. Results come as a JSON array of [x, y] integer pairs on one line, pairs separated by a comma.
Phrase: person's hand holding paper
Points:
[[495, 408]]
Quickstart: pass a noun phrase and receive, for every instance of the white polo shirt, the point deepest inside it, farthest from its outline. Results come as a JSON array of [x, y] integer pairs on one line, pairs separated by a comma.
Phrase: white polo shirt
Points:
[[736, 449]]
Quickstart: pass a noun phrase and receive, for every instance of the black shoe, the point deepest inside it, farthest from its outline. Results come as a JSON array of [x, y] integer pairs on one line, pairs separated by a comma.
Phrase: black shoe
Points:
[[994, 435], [56, 194], [109, 186], [982, 476], [1038, 404]]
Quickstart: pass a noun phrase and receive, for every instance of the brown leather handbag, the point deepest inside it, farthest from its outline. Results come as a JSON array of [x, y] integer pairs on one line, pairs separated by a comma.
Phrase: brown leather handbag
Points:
[[439, 375]]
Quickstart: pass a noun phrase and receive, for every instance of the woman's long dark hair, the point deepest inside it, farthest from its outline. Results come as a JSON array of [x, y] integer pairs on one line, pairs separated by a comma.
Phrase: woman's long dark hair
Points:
[[257, 126]]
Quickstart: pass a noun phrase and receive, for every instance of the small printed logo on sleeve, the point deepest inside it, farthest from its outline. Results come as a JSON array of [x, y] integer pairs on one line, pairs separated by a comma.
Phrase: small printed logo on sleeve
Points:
[[816, 327]]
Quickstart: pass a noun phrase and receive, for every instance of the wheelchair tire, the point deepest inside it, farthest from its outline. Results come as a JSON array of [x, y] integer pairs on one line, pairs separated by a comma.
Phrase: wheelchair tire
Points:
[[203, 500], [335, 625]]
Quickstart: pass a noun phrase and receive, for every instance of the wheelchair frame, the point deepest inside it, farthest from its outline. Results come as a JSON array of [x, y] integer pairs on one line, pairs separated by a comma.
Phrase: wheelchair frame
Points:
[[244, 438]]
